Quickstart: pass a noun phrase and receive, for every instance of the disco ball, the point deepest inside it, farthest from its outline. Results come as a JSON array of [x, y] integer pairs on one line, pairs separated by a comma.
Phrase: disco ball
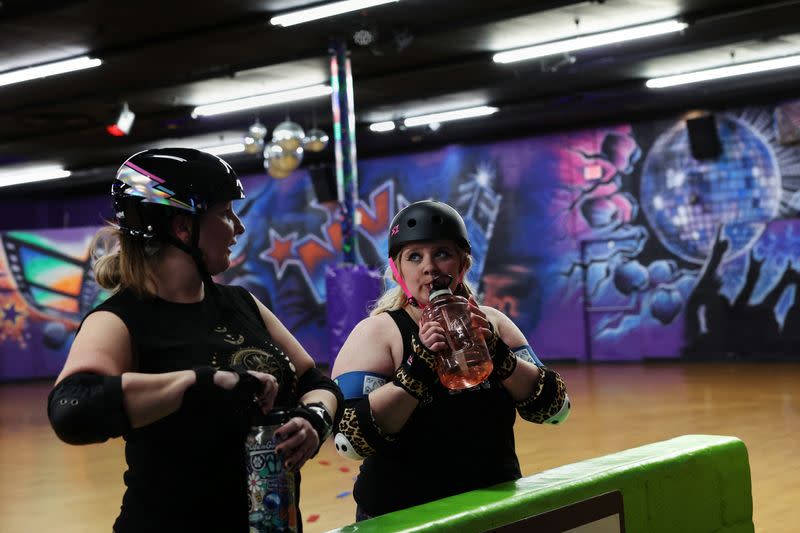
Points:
[[257, 130], [279, 161], [288, 134], [251, 145], [685, 200], [316, 140]]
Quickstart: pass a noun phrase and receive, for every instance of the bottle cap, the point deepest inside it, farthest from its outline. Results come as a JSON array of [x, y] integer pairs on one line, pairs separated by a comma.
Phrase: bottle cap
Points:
[[440, 285], [439, 292]]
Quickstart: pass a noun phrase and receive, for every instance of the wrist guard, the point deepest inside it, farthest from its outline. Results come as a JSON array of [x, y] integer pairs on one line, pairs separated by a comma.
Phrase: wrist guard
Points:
[[504, 362], [549, 403], [313, 379], [204, 378], [319, 418], [418, 372]]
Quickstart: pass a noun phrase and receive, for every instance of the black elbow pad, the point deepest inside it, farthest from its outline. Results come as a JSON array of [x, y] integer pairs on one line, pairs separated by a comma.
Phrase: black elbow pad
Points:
[[87, 408]]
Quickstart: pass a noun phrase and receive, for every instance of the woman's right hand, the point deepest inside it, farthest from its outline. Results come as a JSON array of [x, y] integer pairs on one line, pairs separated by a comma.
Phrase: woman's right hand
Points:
[[432, 336], [265, 399]]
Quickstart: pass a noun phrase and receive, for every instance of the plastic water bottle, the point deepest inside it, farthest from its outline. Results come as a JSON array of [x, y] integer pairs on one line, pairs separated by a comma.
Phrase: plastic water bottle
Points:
[[270, 486], [466, 363]]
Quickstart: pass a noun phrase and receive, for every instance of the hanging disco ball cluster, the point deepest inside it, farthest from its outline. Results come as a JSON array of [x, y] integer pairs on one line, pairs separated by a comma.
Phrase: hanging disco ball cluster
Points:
[[284, 153]]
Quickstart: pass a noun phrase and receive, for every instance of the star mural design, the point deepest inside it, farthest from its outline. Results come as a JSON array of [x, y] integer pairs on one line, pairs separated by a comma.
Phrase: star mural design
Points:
[[280, 252], [10, 313], [12, 319]]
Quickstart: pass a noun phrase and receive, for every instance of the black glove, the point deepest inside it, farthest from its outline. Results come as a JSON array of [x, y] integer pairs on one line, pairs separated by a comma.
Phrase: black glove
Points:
[[418, 372], [239, 398], [244, 393], [503, 359], [318, 416]]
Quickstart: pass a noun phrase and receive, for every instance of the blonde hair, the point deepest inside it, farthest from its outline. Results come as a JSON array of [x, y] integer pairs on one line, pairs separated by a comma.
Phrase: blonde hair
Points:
[[395, 298], [121, 261]]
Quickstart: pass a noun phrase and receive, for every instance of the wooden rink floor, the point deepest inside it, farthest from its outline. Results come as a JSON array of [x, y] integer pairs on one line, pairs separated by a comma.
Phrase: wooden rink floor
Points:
[[46, 485]]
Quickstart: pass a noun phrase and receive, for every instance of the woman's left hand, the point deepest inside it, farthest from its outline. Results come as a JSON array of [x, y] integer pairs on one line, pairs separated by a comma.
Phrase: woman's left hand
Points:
[[298, 442]]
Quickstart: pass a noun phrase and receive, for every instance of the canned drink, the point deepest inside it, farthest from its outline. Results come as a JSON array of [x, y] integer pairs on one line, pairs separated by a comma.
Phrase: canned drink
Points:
[[271, 487]]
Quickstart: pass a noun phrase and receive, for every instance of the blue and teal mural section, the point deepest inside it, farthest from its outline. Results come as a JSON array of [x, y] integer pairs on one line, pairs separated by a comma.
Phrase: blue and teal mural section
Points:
[[605, 244]]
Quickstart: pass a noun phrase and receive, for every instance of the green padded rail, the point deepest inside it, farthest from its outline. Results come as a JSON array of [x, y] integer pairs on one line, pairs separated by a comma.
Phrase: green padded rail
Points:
[[691, 484]]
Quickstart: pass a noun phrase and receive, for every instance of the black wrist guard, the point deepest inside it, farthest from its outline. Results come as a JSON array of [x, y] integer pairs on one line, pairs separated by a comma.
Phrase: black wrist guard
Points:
[[204, 377], [504, 361], [418, 372], [313, 379], [319, 418]]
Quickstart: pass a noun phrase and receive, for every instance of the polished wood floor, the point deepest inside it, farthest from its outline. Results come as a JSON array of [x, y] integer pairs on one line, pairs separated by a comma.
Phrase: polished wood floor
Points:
[[49, 486]]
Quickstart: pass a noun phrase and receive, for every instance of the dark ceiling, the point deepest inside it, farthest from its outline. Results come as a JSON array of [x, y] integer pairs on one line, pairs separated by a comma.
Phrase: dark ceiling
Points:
[[163, 58]]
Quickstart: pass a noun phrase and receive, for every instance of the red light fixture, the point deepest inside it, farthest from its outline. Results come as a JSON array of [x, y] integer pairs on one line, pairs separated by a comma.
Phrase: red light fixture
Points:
[[124, 122]]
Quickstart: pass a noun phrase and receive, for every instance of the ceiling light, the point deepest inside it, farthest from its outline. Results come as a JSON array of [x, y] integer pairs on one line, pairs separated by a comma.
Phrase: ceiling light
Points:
[[382, 126], [224, 149], [589, 41], [50, 69], [261, 100], [445, 116], [31, 174], [724, 72], [324, 11]]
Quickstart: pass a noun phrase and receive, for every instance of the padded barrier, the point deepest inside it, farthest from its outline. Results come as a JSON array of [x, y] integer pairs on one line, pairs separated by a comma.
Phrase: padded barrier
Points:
[[691, 484]]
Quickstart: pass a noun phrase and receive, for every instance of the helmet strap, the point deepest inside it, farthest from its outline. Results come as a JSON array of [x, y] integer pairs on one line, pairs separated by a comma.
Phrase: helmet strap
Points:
[[411, 300], [193, 250]]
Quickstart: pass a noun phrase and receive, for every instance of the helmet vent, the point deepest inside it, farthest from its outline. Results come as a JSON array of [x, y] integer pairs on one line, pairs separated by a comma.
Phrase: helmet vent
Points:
[[411, 222], [437, 220]]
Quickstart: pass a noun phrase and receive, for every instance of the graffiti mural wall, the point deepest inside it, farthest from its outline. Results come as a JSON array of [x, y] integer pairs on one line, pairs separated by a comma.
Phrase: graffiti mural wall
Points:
[[603, 244], [46, 287]]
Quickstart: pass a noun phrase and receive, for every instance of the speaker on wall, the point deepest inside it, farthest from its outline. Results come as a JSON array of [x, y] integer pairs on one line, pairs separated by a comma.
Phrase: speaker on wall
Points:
[[703, 137], [323, 178]]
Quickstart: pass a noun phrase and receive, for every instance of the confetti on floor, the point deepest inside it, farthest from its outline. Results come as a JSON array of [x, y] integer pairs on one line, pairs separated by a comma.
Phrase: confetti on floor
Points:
[[344, 494], [312, 518]]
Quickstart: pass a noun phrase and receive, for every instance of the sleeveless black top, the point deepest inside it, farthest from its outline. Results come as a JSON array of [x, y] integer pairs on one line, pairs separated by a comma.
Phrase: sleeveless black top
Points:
[[458, 442], [186, 471]]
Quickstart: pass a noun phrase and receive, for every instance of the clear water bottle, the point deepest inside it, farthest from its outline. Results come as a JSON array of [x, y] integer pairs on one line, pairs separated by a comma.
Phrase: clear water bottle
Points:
[[270, 486], [466, 363]]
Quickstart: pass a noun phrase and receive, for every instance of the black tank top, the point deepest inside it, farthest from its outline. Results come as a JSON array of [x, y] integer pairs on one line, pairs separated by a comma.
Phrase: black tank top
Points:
[[459, 441], [186, 471]]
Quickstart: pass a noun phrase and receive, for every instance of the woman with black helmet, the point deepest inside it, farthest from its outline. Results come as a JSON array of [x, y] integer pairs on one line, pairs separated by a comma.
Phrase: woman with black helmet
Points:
[[174, 362], [420, 441]]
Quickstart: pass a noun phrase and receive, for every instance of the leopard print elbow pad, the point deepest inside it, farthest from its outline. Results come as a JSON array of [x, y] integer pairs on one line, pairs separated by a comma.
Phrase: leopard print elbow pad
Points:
[[549, 403], [358, 435]]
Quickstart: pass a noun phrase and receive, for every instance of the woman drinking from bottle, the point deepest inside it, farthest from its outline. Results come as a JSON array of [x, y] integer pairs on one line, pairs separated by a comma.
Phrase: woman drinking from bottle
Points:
[[420, 441]]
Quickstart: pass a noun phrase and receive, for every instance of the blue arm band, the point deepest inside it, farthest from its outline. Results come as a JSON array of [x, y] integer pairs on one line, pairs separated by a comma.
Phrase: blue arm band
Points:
[[355, 385], [526, 353]]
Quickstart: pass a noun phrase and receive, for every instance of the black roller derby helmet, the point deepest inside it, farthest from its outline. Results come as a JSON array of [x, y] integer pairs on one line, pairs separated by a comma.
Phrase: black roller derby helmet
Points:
[[428, 220], [154, 185]]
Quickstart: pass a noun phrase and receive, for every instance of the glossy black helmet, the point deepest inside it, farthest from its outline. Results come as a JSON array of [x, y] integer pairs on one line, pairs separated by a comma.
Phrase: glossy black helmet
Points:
[[428, 220], [154, 185]]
